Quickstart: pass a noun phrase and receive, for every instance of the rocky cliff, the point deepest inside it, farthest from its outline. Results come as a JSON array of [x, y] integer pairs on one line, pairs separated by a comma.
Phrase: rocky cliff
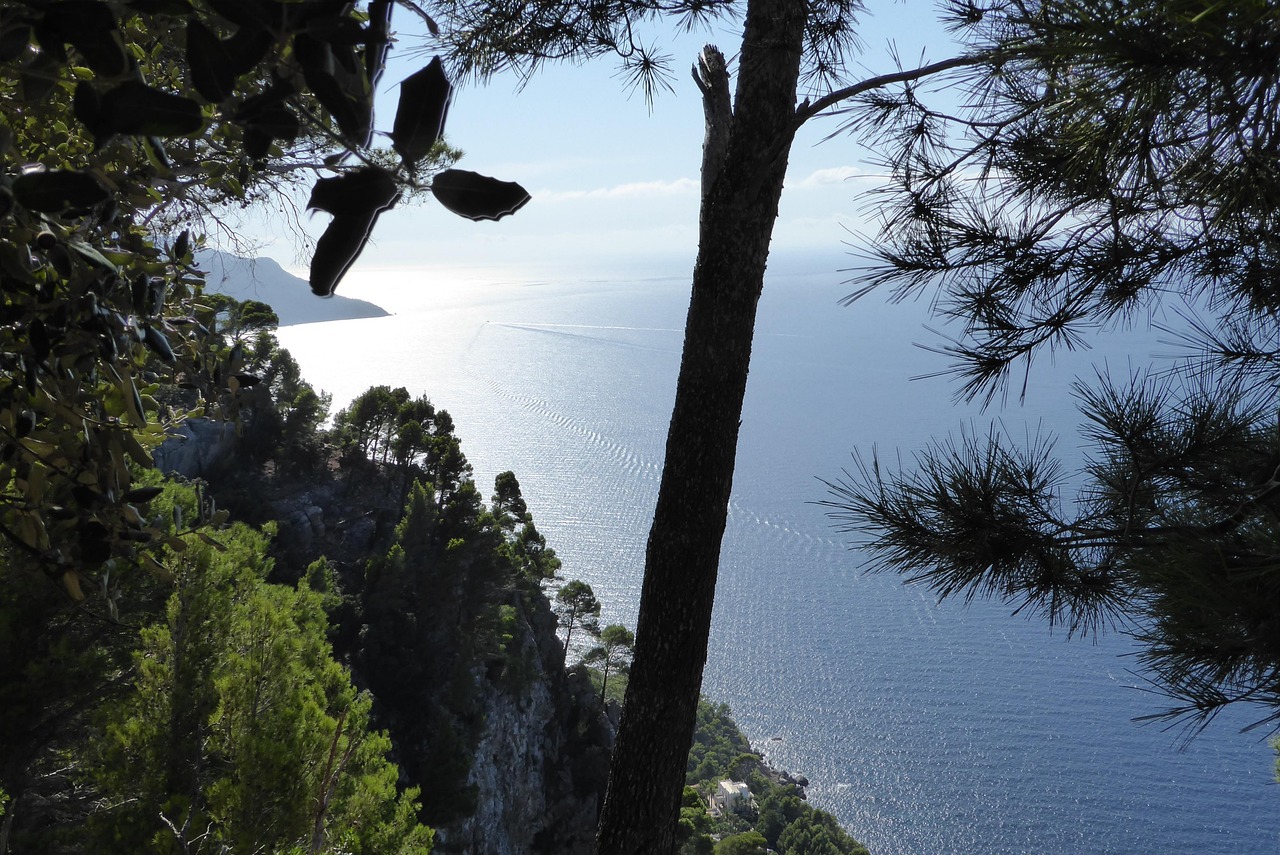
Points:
[[541, 762], [510, 748]]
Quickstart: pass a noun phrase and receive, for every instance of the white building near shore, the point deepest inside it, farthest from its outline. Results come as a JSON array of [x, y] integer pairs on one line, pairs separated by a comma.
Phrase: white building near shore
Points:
[[728, 796]]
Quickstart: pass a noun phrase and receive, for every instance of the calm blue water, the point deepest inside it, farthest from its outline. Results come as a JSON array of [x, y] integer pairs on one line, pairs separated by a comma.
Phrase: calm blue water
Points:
[[925, 728]]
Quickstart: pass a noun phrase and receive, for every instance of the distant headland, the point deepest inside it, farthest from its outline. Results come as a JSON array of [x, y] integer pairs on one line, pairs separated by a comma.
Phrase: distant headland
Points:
[[264, 279]]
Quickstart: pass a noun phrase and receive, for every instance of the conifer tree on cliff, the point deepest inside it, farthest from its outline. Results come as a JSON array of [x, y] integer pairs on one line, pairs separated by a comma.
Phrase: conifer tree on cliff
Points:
[[789, 47]]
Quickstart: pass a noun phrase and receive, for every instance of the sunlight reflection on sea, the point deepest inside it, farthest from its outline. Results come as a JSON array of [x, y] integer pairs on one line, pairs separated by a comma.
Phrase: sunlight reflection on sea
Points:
[[926, 728]]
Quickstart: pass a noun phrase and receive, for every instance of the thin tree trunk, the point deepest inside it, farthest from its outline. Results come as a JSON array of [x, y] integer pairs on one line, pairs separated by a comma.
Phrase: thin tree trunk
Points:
[[739, 207]]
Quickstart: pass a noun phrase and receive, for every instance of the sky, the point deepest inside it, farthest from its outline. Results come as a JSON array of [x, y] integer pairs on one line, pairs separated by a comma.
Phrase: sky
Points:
[[614, 180]]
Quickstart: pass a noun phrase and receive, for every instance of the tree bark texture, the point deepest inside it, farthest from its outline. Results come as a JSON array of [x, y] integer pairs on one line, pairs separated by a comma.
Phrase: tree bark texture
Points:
[[739, 207]]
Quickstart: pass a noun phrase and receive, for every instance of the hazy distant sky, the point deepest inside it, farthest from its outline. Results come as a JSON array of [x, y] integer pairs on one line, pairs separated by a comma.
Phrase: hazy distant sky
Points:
[[614, 184]]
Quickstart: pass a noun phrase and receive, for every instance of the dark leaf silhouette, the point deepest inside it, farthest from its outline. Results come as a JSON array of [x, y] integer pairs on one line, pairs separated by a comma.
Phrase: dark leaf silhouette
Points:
[[355, 200], [161, 7], [134, 108], [14, 39], [209, 63], [478, 197], [338, 84], [355, 193], [158, 343], [90, 27], [87, 106], [58, 190], [246, 48], [265, 118], [378, 43], [420, 115], [142, 494], [258, 15]]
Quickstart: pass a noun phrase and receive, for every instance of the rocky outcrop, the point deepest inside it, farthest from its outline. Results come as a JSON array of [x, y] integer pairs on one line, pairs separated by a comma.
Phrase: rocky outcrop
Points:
[[541, 763], [200, 448], [512, 752]]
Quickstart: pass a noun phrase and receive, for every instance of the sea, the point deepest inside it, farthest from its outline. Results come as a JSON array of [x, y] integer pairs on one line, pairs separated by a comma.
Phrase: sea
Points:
[[926, 727]]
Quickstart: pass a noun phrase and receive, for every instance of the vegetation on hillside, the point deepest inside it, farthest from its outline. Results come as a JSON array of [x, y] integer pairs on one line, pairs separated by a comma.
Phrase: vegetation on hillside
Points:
[[212, 717], [240, 731], [207, 710], [778, 819]]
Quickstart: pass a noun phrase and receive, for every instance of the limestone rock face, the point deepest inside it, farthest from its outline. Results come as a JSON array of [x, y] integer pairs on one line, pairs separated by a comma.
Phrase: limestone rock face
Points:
[[541, 764], [534, 737], [200, 448]]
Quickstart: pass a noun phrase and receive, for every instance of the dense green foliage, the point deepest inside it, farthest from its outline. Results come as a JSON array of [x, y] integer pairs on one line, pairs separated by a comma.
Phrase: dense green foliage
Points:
[[241, 731], [778, 820], [217, 717], [742, 843], [717, 744], [127, 128], [222, 721], [197, 706], [459, 579], [105, 135]]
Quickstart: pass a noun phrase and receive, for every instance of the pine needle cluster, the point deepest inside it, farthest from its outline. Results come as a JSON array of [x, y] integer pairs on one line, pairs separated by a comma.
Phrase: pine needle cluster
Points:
[[1105, 158]]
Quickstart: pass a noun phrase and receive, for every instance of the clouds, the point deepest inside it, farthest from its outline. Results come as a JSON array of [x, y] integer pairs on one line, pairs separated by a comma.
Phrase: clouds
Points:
[[660, 189], [828, 177]]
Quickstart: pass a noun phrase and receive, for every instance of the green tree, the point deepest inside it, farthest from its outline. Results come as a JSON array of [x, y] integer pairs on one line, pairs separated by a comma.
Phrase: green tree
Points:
[[240, 320], [446, 586], [444, 462], [778, 810], [369, 421], [532, 555], [241, 729], [612, 655], [526, 546], [576, 607], [746, 843], [281, 413], [508, 503], [1122, 157], [817, 833]]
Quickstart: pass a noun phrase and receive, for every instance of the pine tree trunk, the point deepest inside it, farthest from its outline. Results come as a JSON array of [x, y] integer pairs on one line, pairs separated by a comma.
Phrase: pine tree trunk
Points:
[[739, 207]]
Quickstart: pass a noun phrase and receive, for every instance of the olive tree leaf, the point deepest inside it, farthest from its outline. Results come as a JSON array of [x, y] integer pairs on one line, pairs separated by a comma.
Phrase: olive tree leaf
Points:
[[56, 190], [338, 83], [421, 112], [259, 15], [90, 27], [246, 48], [210, 63], [134, 108], [378, 42], [478, 197], [267, 117], [356, 200]]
